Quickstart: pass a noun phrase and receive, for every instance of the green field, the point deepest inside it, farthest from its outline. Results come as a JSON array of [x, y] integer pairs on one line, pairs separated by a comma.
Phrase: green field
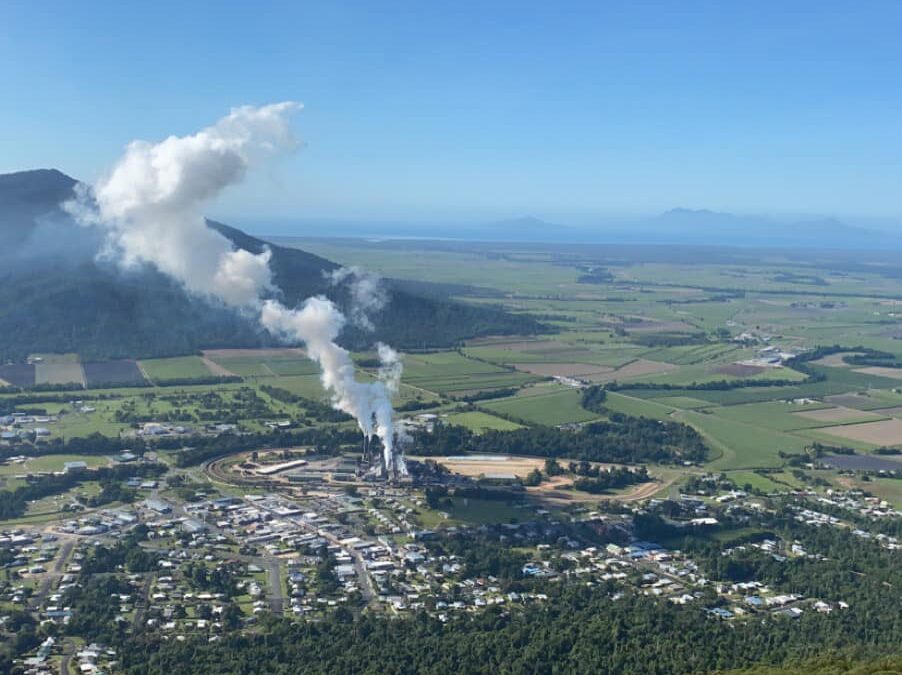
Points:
[[757, 481], [480, 421], [637, 407], [49, 464], [742, 445], [561, 407], [683, 312], [179, 367]]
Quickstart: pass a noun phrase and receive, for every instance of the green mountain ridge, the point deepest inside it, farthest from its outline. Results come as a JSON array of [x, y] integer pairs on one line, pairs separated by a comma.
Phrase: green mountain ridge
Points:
[[56, 297]]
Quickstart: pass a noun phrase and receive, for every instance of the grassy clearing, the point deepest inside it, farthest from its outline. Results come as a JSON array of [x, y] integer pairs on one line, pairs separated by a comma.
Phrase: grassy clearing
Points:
[[56, 462], [463, 510], [757, 481]]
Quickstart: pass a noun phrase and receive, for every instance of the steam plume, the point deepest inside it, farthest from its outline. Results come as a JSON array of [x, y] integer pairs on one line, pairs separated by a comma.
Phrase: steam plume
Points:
[[150, 209], [367, 293]]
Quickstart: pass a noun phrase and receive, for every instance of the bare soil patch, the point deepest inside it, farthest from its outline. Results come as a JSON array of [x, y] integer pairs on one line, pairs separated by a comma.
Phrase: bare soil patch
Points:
[[475, 466], [885, 432]]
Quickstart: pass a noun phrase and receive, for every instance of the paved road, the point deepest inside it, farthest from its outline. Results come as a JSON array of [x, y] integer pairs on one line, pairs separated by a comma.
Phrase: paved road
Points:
[[37, 600], [145, 601], [276, 592], [67, 653], [363, 575]]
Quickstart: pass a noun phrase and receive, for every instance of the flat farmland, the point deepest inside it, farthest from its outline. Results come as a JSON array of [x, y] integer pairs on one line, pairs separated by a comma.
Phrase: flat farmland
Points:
[[563, 369], [691, 354], [743, 445], [638, 368], [479, 421], [291, 366], [123, 371], [895, 411], [18, 374], [741, 370], [857, 400], [885, 432], [549, 351], [683, 402], [179, 367], [262, 353], [775, 415], [837, 415], [637, 407], [881, 371], [453, 373], [261, 362], [59, 372], [243, 366], [562, 407]]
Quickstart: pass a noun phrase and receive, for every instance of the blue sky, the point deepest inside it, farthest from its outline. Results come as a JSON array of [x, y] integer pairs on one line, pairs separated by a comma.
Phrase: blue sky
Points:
[[570, 111]]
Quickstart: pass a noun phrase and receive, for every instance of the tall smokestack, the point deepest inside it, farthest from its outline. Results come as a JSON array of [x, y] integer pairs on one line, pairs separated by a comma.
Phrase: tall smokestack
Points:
[[150, 208]]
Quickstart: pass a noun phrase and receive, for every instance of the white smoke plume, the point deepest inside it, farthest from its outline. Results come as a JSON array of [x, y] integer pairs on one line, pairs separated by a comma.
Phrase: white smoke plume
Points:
[[150, 205], [150, 209], [367, 293], [317, 323]]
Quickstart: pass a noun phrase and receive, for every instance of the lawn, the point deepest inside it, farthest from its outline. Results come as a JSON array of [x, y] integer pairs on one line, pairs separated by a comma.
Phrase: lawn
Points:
[[56, 462], [47, 463], [757, 481], [485, 511]]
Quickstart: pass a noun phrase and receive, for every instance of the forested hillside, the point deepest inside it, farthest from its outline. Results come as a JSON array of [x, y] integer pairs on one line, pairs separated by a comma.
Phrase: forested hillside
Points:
[[56, 297]]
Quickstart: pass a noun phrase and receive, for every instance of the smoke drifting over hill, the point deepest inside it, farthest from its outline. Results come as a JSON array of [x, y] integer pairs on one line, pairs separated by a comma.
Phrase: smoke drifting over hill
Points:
[[150, 209]]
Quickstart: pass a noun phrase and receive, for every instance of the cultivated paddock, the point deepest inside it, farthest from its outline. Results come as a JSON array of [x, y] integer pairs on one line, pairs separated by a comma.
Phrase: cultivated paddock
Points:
[[563, 369], [61, 372], [637, 368], [881, 371], [885, 432], [838, 414], [739, 370], [276, 352]]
